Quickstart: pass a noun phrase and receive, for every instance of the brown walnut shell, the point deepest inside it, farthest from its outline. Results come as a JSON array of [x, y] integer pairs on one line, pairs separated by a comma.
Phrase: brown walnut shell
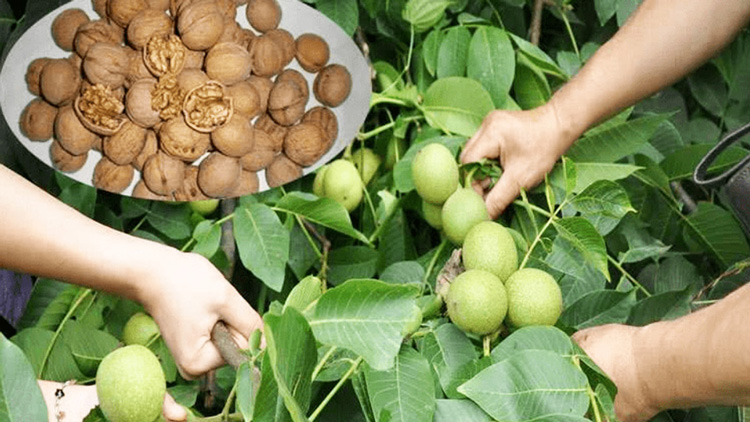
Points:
[[34, 74], [71, 133], [285, 42], [146, 24], [264, 87], [100, 7], [180, 141], [333, 85], [122, 12], [65, 161], [291, 75], [262, 154], [93, 32], [326, 119], [248, 185], [268, 58], [107, 64], [111, 177], [162, 5], [150, 148], [141, 191], [138, 104], [306, 143], [228, 8], [59, 82], [281, 171], [125, 145], [163, 174], [164, 54], [236, 138], [194, 59], [276, 133], [99, 109], [245, 99], [38, 120], [137, 69], [191, 78], [286, 104], [313, 52], [228, 63], [207, 107], [219, 175], [263, 15], [189, 191], [65, 26], [200, 24]]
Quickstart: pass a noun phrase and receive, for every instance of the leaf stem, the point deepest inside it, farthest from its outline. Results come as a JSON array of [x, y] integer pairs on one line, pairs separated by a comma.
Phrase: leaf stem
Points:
[[379, 230], [139, 224], [538, 237], [228, 404], [67, 316], [627, 275], [234, 417], [323, 361], [335, 389], [433, 261], [486, 344], [310, 240], [570, 31]]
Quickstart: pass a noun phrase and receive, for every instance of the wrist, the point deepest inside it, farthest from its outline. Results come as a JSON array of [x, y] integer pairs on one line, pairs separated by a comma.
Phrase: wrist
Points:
[[567, 127]]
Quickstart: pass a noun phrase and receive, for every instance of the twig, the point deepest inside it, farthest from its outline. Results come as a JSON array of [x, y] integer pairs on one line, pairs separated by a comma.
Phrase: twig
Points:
[[685, 197], [228, 245], [323, 242], [227, 347], [536, 20]]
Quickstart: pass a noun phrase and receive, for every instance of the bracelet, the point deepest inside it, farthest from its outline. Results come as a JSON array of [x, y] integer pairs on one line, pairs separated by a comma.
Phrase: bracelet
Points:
[[59, 394]]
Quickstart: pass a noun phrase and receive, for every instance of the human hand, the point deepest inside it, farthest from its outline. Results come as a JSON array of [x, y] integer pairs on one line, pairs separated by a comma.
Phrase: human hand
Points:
[[187, 296], [611, 347], [527, 144]]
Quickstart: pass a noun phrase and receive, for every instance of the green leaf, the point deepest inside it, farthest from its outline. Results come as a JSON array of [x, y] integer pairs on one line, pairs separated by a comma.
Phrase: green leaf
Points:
[[88, 346], [404, 272], [682, 163], [245, 391], [538, 57], [533, 338], [529, 386], [207, 237], [530, 85], [459, 411], [402, 179], [269, 405], [583, 236], [624, 9], [617, 141], [263, 243], [605, 9], [581, 277], [457, 105], [603, 204], [641, 245], [367, 317], [448, 349], [304, 294], [60, 364], [55, 312], [344, 12], [79, 196], [598, 308], [20, 397], [453, 52], [492, 62], [588, 173], [170, 220], [675, 273], [430, 50], [44, 292], [404, 392], [661, 307], [134, 207], [323, 211], [709, 89], [424, 14], [719, 233], [352, 262]]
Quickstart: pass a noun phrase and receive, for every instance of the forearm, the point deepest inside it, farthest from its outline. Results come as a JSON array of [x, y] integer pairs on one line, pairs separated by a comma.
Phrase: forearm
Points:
[[662, 42], [42, 236], [700, 359]]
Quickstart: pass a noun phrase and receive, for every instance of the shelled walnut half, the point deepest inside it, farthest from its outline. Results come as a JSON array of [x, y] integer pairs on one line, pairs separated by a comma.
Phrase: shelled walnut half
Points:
[[164, 54], [207, 107], [100, 110]]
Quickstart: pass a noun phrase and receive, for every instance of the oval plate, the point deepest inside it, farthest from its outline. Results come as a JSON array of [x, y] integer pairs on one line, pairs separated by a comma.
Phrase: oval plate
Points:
[[297, 18]]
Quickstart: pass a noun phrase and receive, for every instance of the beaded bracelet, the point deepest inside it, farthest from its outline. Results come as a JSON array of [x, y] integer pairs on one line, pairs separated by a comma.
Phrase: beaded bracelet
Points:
[[59, 394]]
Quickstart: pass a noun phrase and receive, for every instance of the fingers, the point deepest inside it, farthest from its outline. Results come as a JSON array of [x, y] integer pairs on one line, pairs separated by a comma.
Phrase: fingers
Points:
[[172, 411], [505, 191], [479, 147], [241, 317]]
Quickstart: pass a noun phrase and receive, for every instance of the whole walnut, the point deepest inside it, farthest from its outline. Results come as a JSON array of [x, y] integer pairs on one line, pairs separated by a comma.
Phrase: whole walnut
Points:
[[163, 174], [228, 63], [242, 36], [287, 103], [285, 42], [268, 58], [111, 177], [191, 78], [141, 191], [291, 75], [125, 145], [65, 161], [137, 69], [236, 138], [263, 15], [262, 154], [264, 87], [248, 185], [228, 8], [122, 12], [34, 74], [38, 120], [281, 171], [189, 191], [93, 32], [312, 52], [100, 7], [107, 64], [200, 24], [194, 59], [180, 141], [245, 98], [306, 143], [162, 5], [276, 133], [323, 117], [176, 6], [333, 85], [65, 25], [146, 24], [151, 147], [71, 133], [138, 104], [76, 61], [59, 82], [219, 175]]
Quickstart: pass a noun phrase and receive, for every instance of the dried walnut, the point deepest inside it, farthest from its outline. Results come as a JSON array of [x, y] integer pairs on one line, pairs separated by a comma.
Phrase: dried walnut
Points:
[[323, 117], [150, 148], [167, 97], [147, 24], [189, 191], [125, 145], [191, 78], [34, 74], [312, 52], [107, 64], [248, 184], [93, 32], [287, 103], [180, 141], [65, 25], [111, 177], [200, 24], [138, 104], [207, 108], [164, 54], [263, 15], [219, 175], [163, 174], [262, 154], [282, 170], [228, 63], [100, 110], [306, 143], [38, 120], [332, 85], [236, 138], [123, 11], [59, 82], [245, 99], [65, 161], [71, 133]]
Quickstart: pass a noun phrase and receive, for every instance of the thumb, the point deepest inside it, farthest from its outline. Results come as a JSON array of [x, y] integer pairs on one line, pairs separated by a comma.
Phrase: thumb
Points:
[[478, 147], [172, 411], [502, 194]]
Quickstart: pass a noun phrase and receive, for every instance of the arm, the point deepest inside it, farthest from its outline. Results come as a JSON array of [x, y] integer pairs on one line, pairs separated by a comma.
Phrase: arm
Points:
[[660, 43], [184, 293]]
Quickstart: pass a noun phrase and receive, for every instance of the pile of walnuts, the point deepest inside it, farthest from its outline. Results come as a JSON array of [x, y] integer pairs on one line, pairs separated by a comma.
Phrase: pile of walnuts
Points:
[[158, 85]]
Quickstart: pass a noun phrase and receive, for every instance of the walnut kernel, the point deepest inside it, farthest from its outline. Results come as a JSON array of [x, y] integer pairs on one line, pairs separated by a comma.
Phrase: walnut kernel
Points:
[[207, 107]]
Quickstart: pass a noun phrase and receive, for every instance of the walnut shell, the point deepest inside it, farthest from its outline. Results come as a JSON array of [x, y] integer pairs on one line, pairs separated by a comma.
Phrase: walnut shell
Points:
[[248, 185], [59, 82], [71, 133], [176, 6], [122, 12], [228, 8], [146, 24], [262, 154], [38, 120], [263, 15], [291, 75], [323, 117], [34, 74], [137, 69], [141, 191], [107, 64], [163, 174], [125, 145], [180, 141], [236, 138], [313, 52], [207, 107], [268, 58], [194, 59], [100, 110], [219, 175], [65, 161], [93, 32], [264, 87], [76, 61], [276, 133], [162, 5], [65, 25], [333, 85], [245, 98], [281, 171], [151, 147], [228, 63], [306, 143], [189, 191], [100, 7], [286, 103], [111, 177], [191, 78], [200, 24], [138, 104], [285, 42], [164, 54]]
